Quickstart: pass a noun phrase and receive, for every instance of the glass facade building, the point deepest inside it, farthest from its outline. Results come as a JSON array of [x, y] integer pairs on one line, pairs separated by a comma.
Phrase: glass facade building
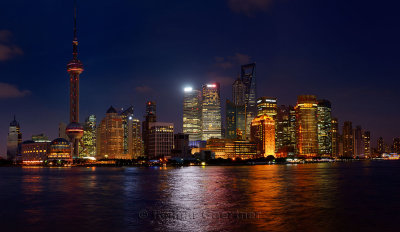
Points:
[[263, 134], [324, 128], [348, 140], [248, 76], [235, 120], [306, 126], [211, 112], [335, 137], [89, 137], [192, 114]]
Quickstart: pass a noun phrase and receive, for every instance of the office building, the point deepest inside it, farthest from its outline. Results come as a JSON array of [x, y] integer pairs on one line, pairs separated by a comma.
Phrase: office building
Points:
[[381, 146], [150, 116], [267, 106], [231, 149], [211, 112], [263, 134], [324, 128], [89, 137], [34, 153], [110, 137], [367, 144], [306, 126], [192, 113], [248, 77], [396, 145], [160, 139], [14, 140], [348, 140], [235, 121], [181, 146], [335, 137], [359, 146]]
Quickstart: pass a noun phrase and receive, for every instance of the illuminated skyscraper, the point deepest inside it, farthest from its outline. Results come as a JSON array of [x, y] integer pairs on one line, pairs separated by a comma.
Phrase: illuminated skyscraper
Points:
[[75, 67], [127, 116], [151, 116], [348, 140], [367, 144], [381, 146], [307, 126], [192, 113], [248, 76], [89, 137], [110, 136], [283, 136], [161, 139], [396, 145], [335, 137], [358, 142], [14, 140], [211, 112], [324, 128], [263, 133], [267, 106], [137, 145]]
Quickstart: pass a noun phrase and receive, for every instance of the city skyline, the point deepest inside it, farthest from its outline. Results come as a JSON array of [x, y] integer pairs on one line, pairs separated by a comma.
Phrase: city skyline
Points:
[[49, 96]]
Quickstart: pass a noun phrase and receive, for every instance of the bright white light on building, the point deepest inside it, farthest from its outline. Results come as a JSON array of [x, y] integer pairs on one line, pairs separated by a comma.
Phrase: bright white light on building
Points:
[[211, 85], [188, 89], [130, 117]]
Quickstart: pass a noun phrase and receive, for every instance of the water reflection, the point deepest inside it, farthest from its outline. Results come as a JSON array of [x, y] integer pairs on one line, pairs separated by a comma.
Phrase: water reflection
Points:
[[312, 197]]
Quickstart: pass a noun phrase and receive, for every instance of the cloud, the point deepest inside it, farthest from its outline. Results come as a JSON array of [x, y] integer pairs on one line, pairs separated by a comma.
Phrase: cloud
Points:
[[11, 91], [230, 61], [143, 89], [221, 79], [249, 7], [8, 50]]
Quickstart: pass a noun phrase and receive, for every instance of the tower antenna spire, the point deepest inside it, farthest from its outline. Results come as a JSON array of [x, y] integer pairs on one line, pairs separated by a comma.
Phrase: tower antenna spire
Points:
[[75, 37], [75, 41]]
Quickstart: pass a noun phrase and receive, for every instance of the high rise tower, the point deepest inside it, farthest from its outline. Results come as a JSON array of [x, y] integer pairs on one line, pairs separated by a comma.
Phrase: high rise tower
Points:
[[211, 111], [14, 140], [248, 76], [306, 126], [192, 113], [75, 67]]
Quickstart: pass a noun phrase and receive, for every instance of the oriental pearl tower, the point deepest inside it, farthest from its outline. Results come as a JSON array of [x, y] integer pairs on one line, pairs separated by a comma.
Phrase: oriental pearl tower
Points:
[[74, 130]]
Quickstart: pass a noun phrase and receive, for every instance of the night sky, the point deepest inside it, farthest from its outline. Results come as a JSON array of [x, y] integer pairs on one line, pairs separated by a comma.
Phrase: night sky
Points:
[[345, 51]]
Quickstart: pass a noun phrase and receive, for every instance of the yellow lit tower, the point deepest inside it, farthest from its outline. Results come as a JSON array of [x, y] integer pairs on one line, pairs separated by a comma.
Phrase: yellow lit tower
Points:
[[74, 130], [306, 126]]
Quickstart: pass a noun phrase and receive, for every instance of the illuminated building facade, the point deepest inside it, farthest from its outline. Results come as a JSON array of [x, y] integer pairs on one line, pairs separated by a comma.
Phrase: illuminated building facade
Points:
[[396, 145], [128, 127], [192, 113], [263, 134], [324, 118], [89, 137], [14, 140], [335, 137], [137, 145], [248, 77], [306, 126], [211, 112], [34, 153], [110, 137], [358, 142], [151, 116], [161, 139], [267, 106], [381, 146], [59, 151], [348, 140], [367, 144], [232, 149], [285, 129], [40, 138]]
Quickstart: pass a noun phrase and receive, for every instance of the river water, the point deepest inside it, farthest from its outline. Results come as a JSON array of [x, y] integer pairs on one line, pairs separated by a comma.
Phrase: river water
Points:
[[349, 196]]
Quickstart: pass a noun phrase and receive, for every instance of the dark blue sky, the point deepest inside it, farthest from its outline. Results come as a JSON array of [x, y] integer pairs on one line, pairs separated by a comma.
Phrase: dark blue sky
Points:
[[345, 51]]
